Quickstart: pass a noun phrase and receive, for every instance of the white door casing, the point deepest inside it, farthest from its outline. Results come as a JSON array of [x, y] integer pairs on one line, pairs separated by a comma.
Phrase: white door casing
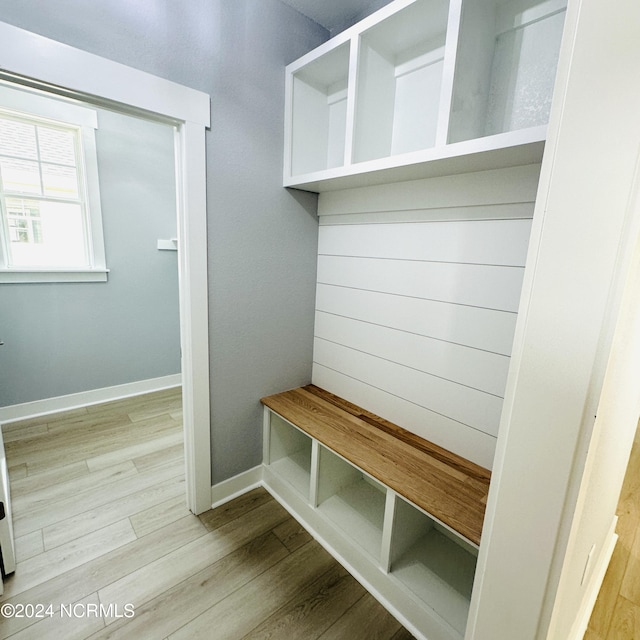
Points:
[[32, 59]]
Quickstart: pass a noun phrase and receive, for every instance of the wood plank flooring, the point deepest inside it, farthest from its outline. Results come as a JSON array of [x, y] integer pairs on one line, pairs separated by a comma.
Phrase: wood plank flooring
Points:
[[616, 615], [102, 530]]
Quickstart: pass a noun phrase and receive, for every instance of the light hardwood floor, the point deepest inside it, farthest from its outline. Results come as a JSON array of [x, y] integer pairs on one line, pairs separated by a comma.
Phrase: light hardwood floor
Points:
[[616, 615], [100, 521]]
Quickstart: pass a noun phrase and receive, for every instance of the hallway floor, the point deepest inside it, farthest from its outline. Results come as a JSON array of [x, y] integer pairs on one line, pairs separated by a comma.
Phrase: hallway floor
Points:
[[107, 549], [616, 615]]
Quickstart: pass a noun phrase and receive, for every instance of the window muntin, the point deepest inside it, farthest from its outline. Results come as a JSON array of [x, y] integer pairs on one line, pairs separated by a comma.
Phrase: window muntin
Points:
[[50, 210], [42, 199]]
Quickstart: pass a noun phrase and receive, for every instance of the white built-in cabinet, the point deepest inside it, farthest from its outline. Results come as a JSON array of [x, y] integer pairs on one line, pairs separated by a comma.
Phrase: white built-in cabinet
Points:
[[419, 89], [421, 569], [423, 88]]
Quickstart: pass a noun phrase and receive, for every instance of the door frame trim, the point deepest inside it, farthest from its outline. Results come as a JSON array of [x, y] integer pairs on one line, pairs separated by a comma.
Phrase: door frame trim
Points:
[[32, 59]]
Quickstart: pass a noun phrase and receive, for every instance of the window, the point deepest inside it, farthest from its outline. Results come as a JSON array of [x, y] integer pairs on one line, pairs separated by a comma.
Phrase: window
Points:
[[51, 226]]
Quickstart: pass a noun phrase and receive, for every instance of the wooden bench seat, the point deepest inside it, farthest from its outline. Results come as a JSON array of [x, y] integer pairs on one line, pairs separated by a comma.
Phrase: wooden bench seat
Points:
[[445, 485]]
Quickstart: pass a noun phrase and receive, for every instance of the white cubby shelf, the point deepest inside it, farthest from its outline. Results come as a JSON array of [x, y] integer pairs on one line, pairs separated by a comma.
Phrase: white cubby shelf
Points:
[[402, 515], [423, 88]]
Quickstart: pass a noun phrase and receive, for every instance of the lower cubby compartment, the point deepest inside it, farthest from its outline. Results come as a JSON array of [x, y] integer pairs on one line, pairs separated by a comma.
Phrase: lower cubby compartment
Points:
[[352, 501], [433, 563], [290, 454], [408, 557]]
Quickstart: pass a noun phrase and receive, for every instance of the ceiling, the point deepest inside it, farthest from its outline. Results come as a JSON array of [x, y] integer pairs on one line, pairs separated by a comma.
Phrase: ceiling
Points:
[[334, 15]]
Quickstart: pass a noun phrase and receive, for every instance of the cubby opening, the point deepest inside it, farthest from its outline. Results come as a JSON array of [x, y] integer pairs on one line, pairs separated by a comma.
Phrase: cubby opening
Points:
[[399, 81], [290, 454], [319, 113], [352, 500], [505, 67], [433, 562]]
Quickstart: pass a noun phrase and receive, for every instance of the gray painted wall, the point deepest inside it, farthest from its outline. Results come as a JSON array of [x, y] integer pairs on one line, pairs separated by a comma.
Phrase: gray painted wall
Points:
[[64, 338], [262, 238], [372, 6]]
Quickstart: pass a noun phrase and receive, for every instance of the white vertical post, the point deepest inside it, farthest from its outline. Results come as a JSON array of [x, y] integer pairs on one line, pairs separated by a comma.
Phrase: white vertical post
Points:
[[194, 313]]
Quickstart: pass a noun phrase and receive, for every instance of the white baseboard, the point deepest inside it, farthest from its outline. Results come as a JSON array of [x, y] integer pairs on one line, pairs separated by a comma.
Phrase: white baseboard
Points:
[[37, 408], [233, 487], [581, 622]]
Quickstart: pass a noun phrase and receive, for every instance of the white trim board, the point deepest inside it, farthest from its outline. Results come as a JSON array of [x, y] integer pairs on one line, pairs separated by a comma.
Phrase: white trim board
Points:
[[86, 73], [33, 59], [594, 585], [17, 412], [232, 488]]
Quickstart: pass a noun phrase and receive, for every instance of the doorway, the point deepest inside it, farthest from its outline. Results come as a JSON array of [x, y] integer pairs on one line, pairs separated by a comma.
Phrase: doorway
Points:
[[39, 62]]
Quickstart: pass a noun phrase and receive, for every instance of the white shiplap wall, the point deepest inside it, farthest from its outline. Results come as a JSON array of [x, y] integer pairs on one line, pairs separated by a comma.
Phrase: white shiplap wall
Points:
[[417, 295]]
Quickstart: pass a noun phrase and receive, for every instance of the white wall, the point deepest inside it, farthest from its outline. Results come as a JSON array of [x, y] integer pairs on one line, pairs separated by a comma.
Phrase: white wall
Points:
[[418, 288], [554, 489], [605, 463]]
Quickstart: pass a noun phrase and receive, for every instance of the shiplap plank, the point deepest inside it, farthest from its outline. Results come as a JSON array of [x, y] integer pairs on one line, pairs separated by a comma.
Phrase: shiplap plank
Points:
[[470, 326], [418, 290], [484, 286], [502, 211], [454, 436], [487, 242], [514, 184], [473, 408], [470, 367]]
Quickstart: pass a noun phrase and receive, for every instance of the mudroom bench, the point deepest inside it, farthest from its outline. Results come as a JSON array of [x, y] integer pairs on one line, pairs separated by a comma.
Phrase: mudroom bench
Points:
[[402, 514]]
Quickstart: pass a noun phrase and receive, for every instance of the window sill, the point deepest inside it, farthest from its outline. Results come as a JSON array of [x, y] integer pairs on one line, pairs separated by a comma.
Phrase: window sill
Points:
[[8, 276]]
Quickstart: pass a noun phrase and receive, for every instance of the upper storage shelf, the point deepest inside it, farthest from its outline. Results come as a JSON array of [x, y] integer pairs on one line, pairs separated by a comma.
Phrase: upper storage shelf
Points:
[[319, 116], [423, 88]]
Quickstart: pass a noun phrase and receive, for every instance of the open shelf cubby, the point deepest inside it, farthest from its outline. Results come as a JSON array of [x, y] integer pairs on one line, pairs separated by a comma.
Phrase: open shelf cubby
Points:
[[400, 68], [319, 112], [403, 515], [424, 88], [505, 66], [351, 500], [290, 454], [435, 564]]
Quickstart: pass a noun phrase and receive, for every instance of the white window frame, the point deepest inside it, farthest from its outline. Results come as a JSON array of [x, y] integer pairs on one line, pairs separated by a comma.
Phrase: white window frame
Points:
[[30, 104]]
